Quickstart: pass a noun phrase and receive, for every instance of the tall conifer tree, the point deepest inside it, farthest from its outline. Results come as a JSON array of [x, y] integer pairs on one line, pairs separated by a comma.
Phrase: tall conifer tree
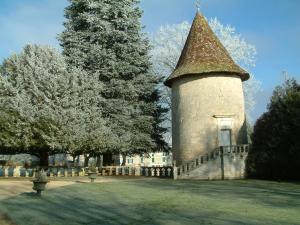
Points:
[[105, 38]]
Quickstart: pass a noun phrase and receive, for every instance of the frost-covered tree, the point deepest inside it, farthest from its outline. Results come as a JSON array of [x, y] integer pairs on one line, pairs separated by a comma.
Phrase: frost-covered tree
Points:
[[53, 107], [12, 126], [38, 81], [169, 41], [105, 39]]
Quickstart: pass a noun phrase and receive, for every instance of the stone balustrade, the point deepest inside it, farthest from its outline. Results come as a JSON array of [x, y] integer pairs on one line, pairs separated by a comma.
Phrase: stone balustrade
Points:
[[166, 172], [240, 151], [227, 152], [18, 171]]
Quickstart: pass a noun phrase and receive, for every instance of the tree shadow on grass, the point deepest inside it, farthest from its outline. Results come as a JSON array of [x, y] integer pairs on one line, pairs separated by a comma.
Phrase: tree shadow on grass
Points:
[[6, 220], [29, 194], [265, 192], [131, 202], [72, 206]]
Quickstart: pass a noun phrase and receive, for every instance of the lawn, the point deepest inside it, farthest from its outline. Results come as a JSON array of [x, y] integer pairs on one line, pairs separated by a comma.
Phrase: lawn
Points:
[[154, 201]]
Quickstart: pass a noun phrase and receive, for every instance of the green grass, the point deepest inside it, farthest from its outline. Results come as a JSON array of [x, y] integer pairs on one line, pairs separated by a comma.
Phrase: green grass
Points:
[[140, 201]]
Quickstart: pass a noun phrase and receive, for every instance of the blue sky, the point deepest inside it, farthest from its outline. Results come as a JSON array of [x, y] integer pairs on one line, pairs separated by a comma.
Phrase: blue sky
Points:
[[272, 26]]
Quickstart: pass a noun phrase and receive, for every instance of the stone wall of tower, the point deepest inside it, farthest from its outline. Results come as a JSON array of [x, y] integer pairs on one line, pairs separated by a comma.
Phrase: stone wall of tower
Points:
[[201, 107]]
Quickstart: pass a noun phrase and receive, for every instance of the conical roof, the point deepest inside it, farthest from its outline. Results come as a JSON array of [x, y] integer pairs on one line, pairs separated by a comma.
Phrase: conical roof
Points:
[[203, 54]]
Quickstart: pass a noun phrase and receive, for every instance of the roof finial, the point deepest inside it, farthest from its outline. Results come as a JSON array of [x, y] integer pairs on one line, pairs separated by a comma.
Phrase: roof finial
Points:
[[197, 4]]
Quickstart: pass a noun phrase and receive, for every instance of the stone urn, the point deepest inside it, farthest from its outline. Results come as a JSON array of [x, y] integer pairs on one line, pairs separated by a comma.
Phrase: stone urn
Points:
[[40, 181], [92, 174]]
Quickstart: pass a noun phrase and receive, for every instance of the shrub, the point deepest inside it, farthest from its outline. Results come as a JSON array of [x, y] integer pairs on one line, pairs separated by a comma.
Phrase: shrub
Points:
[[275, 152]]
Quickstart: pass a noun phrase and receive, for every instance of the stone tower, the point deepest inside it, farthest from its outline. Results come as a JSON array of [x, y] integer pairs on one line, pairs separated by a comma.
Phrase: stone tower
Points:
[[207, 96]]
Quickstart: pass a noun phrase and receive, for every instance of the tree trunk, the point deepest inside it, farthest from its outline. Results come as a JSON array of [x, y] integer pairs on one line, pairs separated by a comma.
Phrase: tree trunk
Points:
[[44, 158], [107, 159], [124, 159], [78, 160], [98, 162], [86, 160]]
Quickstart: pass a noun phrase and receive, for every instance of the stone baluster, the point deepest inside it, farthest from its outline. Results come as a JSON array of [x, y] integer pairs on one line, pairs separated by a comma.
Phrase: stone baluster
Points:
[[175, 173], [33, 172], [110, 171], [59, 173], [195, 163], [158, 172], [129, 171], [123, 171], [17, 171], [163, 172], [6, 171], [169, 172], [70, 172], [186, 167], [137, 171], [54, 172], [82, 172], [234, 149], [74, 172], [179, 171], [103, 172], [65, 172], [51, 173], [117, 171], [152, 172], [146, 172]]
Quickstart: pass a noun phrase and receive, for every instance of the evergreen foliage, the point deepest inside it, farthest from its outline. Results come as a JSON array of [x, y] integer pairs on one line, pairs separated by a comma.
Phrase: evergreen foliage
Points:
[[275, 153], [104, 38]]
